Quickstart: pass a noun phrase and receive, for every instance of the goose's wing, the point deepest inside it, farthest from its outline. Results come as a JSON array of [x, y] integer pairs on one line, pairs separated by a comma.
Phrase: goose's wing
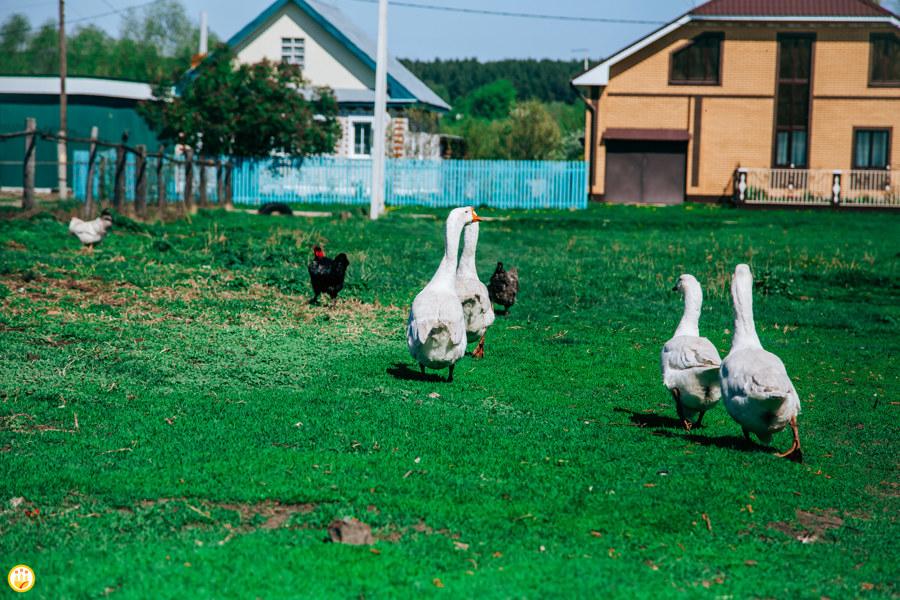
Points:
[[759, 375], [432, 309], [688, 352]]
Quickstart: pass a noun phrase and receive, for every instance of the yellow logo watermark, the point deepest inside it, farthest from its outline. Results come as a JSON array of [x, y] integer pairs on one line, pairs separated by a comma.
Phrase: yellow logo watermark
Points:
[[21, 578]]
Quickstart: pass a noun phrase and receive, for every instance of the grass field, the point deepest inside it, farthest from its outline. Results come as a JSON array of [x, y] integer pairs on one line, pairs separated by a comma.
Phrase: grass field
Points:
[[176, 421]]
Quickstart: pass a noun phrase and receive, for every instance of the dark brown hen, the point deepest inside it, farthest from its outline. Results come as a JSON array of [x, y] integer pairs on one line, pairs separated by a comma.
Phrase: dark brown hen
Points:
[[504, 286], [327, 275]]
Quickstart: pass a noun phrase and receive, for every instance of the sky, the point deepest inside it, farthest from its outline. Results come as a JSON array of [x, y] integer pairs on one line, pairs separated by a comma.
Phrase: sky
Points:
[[427, 29]]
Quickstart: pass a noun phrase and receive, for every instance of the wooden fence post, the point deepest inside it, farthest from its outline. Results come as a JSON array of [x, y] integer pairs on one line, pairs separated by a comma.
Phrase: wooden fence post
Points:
[[204, 201], [88, 211], [28, 176], [140, 181], [229, 198], [119, 186], [220, 183], [161, 183], [188, 201]]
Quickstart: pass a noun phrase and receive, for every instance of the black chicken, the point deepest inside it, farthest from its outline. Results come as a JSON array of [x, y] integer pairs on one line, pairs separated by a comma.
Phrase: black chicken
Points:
[[504, 286], [327, 275]]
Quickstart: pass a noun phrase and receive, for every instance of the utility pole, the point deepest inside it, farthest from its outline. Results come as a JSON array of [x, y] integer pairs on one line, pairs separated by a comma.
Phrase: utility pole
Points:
[[61, 153], [376, 206]]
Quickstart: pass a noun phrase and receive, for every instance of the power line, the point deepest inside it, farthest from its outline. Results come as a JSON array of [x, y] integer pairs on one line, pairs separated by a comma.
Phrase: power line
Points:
[[500, 13]]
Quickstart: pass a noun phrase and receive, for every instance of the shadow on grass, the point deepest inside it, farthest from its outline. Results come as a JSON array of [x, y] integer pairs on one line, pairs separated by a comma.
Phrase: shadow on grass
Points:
[[665, 426], [642, 419], [402, 371]]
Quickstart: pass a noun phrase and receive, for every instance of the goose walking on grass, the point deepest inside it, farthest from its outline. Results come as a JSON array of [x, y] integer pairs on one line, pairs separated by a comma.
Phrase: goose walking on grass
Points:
[[756, 389], [473, 294], [436, 330], [690, 363]]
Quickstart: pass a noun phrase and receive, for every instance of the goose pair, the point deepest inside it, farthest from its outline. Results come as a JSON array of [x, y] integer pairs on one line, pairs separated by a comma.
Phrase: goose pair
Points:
[[752, 383], [454, 307]]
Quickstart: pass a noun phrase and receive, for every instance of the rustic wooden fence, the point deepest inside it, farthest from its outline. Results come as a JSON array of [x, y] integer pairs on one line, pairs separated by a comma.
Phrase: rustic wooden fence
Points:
[[126, 176]]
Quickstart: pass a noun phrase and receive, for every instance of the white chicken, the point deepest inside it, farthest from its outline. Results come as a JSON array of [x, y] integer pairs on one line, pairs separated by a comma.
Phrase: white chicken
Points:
[[756, 389], [436, 330], [91, 232], [473, 294], [690, 363]]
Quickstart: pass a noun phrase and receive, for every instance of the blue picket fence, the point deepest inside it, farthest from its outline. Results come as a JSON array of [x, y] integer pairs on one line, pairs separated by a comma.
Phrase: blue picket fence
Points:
[[333, 180], [410, 182]]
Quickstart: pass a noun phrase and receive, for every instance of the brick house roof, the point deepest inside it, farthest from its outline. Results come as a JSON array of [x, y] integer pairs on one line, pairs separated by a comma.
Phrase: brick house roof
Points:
[[791, 8]]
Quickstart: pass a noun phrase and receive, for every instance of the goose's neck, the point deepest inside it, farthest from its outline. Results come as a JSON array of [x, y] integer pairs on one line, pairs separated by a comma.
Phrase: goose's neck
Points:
[[690, 320], [446, 271], [744, 327], [467, 259]]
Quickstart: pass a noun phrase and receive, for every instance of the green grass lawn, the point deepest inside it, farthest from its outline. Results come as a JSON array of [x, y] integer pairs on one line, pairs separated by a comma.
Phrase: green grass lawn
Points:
[[176, 421]]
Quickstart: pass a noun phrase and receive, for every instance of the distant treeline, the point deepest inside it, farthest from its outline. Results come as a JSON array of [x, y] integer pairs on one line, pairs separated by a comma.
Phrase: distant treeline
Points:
[[156, 40], [544, 80]]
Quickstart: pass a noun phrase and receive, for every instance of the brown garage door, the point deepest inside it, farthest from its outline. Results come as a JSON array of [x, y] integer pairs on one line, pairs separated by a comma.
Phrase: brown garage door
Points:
[[645, 172]]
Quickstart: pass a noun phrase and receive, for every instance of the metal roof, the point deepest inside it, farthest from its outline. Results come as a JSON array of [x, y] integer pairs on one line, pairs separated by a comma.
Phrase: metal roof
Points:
[[404, 86], [77, 86], [793, 8]]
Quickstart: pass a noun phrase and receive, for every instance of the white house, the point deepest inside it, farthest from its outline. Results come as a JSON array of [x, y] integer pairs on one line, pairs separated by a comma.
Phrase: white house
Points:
[[332, 51]]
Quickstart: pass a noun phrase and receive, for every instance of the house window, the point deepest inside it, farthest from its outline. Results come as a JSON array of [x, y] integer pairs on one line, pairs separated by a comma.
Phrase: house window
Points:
[[871, 152], [292, 51], [362, 138], [884, 60], [870, 148], [792, 101], [698, 62]]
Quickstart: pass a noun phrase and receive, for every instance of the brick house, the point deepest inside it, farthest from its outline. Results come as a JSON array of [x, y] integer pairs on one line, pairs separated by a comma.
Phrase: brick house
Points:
[[795, 101], [332, 51]]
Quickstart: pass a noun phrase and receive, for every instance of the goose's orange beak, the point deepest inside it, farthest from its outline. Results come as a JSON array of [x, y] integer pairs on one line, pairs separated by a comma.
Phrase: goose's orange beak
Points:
[[476, 218]]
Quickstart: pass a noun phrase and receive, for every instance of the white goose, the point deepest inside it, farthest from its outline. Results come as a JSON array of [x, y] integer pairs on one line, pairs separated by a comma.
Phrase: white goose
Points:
[[690, 363], [436, 330], [756, 389], [473, 294]]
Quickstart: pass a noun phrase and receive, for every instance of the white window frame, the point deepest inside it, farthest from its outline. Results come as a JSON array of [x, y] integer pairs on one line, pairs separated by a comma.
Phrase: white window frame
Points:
[[352, 122], [293, 50]]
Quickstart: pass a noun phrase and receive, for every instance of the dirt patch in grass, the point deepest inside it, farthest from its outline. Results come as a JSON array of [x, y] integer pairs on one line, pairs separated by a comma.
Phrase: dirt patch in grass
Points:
[[25, 423], [60, 296], [809, 527]]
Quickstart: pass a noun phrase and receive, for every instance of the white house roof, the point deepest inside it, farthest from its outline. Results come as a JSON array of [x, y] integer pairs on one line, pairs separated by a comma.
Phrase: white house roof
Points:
[[77, 86], [405, 87]]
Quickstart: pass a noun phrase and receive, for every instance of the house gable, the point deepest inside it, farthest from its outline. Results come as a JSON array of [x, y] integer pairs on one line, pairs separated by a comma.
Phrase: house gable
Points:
[[839, 12], [338, 54]]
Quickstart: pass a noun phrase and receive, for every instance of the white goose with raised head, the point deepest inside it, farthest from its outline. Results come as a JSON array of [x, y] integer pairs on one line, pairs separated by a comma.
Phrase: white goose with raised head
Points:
[[690, 363], [473, 294], [436, 329], [756, 389]]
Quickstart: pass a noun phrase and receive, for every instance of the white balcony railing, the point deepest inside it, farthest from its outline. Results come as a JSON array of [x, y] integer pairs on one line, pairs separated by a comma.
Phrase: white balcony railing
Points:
[[818, 187]]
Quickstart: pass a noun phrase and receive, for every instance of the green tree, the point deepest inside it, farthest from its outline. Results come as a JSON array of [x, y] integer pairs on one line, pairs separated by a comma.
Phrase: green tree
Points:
[[88, 52], [530, 133], [14, 35], [43, 51], [163, 25], [491, 101], [244, 110]]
